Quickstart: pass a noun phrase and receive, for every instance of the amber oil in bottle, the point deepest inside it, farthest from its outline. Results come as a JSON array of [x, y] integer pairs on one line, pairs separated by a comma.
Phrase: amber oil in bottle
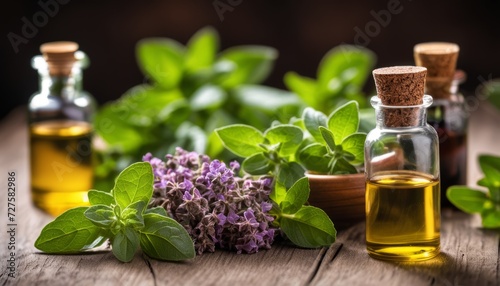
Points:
[[61, 164], [402, 216]]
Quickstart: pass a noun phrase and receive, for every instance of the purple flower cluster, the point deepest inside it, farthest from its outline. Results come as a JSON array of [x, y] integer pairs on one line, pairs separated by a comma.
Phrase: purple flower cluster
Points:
[[217, 208]]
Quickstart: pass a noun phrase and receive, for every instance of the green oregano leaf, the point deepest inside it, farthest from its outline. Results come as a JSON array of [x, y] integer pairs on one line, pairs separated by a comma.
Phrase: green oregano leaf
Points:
[[278, 193], [289, 173], [133, 184], [468, 200], [344, 120], [156, 210], [314, 158], [165, 239], [491, 218], [125, 244], [258, 164], [310, 227], [328, 137], [161, 59], [242, 140], [100, 198], [476, 201], [136, 207], [303, 86], [312, 121], [490, 165], [201, 49], [132, 215], [101, 215], [71, 232], [289, 136], [342, 167], [355, 144], [296, 196], [252, 64]]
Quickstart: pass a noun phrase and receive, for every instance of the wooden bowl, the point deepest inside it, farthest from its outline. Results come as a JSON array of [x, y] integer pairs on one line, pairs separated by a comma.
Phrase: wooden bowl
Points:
[[342, 197]]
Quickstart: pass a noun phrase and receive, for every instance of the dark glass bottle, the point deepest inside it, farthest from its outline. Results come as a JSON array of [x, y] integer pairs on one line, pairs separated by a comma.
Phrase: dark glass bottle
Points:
[[447, 113]]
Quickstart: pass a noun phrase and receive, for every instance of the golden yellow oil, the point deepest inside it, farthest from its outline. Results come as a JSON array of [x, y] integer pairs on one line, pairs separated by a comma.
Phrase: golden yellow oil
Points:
[[403, 216], [61, 164]]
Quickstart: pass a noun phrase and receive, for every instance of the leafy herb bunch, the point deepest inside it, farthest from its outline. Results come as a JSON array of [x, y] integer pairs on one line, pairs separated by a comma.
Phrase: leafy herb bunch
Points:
[[220, 209], [314, 142], [122, 218], [189, 91], [487, 204], [334, 145]]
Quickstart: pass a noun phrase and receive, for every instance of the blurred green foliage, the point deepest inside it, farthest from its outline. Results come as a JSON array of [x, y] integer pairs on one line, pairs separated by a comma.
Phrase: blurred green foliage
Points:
[[341, 75], [486, 203], [190, 90]]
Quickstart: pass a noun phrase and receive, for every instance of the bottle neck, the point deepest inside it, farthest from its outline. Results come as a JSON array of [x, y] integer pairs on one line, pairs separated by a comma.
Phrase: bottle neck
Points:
[[444, 88], [389, 116], [64, 86]]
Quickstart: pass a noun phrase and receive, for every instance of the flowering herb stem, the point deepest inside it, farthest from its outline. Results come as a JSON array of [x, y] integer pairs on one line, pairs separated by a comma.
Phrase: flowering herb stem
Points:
[[221, 210]]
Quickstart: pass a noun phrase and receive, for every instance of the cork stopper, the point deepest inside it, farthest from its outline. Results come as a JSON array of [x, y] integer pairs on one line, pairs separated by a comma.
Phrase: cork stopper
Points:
[[60, 57], [440, 59], [400, 86]]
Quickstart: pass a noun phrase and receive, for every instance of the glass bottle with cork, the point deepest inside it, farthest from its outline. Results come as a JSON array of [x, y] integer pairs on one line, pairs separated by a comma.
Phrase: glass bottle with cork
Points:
[[402, 170], [447, 113], [60, 130]]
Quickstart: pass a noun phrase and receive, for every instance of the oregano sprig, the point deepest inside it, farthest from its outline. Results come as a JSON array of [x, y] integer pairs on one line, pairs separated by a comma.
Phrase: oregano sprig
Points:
[[476, 201], [122, 218], [305, 226]]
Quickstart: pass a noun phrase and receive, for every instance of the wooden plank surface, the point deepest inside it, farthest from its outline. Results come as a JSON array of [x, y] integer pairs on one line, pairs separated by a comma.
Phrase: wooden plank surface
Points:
[[470, 255], [289, 265]]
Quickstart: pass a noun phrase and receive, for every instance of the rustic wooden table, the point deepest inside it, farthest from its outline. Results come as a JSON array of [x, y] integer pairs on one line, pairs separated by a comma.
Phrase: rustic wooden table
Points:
[[470, 255]]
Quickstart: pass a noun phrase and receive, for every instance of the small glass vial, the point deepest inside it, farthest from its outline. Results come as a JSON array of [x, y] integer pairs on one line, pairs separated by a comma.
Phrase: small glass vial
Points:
[[447, 113], [402, 170], [60, 131]]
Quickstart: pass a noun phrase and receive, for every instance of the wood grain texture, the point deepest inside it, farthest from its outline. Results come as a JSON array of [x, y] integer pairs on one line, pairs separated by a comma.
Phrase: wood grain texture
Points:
[[282, 265], [470, 255]]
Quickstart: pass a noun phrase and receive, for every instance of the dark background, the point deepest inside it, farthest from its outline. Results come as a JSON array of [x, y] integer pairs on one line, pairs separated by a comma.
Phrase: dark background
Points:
[[302, 31]]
